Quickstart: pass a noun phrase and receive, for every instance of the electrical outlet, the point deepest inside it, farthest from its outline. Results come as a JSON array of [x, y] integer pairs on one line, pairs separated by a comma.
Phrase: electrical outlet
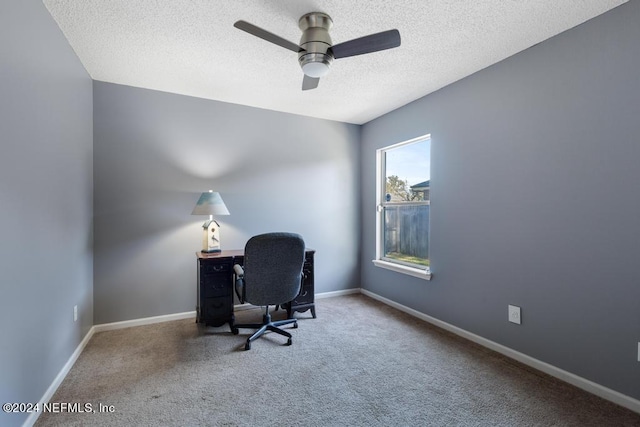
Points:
[[514, 314], [75, 313]]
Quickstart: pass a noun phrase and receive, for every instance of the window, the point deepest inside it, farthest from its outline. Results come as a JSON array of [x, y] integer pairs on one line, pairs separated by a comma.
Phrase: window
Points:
[[403, 204]]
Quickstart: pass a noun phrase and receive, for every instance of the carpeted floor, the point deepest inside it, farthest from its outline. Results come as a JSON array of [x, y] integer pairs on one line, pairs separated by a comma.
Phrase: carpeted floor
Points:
[[360, 363]]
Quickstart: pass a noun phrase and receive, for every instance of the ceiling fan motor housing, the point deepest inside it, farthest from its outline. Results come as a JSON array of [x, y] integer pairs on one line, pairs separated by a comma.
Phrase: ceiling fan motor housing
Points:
[[316, 58]]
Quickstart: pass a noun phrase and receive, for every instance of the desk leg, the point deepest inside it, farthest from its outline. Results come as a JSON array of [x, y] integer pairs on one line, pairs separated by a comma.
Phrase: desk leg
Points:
[[232, 325]]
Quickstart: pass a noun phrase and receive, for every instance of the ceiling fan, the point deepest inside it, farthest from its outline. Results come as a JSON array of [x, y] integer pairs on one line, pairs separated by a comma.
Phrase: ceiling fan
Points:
[[316, 52]]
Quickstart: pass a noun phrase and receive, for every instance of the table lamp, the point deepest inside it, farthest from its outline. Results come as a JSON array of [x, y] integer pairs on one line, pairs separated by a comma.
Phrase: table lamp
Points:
[[210, 204]]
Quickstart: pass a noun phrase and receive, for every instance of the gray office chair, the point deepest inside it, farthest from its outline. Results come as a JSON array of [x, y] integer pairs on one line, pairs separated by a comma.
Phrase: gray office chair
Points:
[[271, 275]]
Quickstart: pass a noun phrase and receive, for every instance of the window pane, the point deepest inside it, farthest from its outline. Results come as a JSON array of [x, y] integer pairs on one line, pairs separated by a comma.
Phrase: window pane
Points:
[[406, 233], [405, 174]]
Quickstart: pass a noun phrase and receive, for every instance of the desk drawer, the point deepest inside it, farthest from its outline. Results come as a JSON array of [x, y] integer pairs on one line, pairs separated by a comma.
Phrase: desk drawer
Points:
[[215, 285], [216, 308], [214, 267]]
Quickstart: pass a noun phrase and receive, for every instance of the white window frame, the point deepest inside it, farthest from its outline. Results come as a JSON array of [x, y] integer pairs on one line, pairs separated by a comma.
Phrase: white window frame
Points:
[[423, 273]]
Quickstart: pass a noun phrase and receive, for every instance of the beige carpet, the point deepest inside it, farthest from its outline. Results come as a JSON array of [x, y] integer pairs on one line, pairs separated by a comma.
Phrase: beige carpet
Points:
[[360, 363]]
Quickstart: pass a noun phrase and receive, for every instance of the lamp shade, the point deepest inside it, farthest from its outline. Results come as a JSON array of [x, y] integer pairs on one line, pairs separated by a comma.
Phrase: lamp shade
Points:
[[210, 204]]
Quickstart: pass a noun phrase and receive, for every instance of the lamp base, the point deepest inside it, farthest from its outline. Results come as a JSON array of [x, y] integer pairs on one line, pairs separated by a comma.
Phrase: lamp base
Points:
[[210, 251], [211, 236]]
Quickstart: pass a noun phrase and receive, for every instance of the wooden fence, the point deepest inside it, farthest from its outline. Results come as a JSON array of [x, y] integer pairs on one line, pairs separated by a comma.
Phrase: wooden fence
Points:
[[407, 230]]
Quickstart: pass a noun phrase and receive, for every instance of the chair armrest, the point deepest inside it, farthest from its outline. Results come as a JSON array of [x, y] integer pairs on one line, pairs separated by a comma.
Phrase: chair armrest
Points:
[[239, 271]]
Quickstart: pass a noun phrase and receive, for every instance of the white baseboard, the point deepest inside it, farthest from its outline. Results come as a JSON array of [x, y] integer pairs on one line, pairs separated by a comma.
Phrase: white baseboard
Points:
[[33, 417], [337, 293], [192, 314], [30, 421], [583, 383], [144, 321]]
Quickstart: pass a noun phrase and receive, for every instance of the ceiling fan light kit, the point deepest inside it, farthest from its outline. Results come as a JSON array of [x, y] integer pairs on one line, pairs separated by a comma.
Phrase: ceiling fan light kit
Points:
[[316, 51], [316, 57]]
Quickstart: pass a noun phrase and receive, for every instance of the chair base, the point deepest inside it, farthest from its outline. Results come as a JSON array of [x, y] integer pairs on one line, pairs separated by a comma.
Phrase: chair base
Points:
[[266, 325]]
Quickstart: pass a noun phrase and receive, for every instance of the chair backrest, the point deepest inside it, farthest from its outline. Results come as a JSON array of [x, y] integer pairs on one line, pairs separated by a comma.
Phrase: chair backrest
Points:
[[273, 268]]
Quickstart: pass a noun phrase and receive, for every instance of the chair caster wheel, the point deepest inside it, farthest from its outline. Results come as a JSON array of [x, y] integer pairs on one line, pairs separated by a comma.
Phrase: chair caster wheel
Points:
[[234, 331], [295, 325], [247, 346], [289, 341]]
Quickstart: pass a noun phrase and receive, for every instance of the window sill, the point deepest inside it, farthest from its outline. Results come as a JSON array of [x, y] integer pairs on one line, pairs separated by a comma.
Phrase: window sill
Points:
[[411, 271]]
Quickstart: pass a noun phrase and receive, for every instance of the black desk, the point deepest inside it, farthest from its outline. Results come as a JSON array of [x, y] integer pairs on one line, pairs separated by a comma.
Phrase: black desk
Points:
[[216, 287]]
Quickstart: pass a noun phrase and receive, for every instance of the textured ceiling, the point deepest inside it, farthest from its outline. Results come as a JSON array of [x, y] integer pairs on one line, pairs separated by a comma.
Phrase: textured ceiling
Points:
[[190, 47]]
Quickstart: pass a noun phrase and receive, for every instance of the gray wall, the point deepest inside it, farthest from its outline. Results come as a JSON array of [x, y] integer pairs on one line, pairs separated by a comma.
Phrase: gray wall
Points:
[[535, 201], [154, 153], [45, 202]]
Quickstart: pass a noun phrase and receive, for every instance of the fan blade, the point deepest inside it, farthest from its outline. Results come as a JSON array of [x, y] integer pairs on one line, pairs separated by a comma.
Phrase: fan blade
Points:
[[266, 35], [309, 82], [367, 44]]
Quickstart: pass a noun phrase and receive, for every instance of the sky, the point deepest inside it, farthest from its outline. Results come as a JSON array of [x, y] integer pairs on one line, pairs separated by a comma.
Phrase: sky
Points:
[[411, 162]]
